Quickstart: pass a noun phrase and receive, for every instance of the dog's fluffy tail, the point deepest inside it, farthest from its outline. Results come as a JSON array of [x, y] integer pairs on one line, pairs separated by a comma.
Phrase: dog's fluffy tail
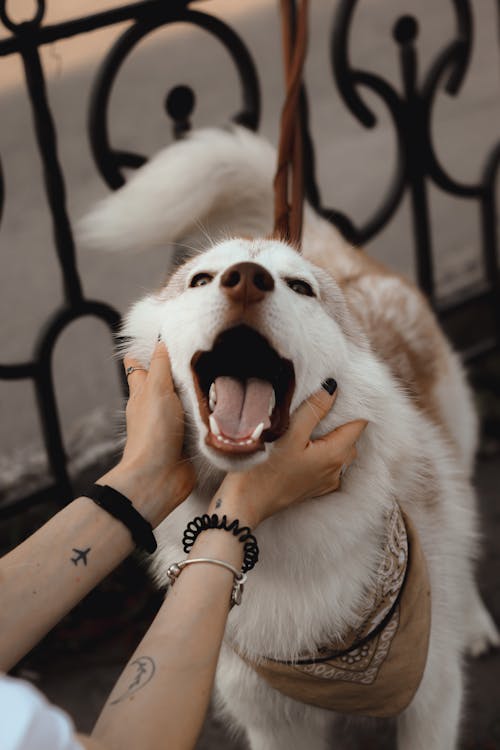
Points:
[[213, 183]]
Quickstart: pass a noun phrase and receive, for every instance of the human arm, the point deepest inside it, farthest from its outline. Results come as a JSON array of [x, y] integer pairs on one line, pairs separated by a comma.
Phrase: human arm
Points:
[[174, 667], [165, 707], [49, 573]]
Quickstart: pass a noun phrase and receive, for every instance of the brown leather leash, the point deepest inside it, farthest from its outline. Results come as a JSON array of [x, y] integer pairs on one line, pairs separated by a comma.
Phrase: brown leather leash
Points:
[[289, 176]]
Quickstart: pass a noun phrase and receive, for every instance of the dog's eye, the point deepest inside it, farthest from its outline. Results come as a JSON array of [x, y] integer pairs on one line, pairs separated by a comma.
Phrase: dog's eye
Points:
[[300, 287], [201, 279]]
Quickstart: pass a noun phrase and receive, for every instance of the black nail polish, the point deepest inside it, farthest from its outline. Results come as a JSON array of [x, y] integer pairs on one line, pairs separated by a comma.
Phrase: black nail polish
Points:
[[330, 385]]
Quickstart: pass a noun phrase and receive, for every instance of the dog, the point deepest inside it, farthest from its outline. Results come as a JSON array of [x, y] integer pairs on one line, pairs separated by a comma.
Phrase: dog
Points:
[[330, 311]]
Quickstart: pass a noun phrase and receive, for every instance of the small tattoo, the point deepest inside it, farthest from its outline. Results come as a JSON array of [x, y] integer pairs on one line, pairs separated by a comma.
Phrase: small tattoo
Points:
[[218, 503], [81, 554], [144, 671]]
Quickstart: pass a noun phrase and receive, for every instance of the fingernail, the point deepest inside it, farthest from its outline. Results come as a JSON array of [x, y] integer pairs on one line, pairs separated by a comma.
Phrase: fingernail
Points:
[[330, 385]]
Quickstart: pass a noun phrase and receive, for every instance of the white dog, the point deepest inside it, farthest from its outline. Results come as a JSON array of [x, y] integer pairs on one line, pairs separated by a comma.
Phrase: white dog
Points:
[[330, 312]]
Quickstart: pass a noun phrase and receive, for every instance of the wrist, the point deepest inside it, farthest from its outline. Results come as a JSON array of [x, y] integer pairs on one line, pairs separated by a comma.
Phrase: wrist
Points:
[[235, 530], [218, 543], [152, 496], [232, 500]]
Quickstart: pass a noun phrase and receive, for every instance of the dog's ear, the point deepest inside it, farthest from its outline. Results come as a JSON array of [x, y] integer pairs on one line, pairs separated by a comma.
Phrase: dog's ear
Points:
[[174, 282], [334, 303]]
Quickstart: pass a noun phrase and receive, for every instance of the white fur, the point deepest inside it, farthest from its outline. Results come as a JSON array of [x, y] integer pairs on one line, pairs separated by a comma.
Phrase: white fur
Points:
[[317, 559]]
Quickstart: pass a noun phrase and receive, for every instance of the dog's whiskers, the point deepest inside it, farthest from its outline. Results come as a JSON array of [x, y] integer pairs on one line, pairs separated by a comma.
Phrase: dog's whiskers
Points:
[[202, 228]]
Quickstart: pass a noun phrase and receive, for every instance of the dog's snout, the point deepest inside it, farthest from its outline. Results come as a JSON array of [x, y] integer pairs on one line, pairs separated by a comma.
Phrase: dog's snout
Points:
[[246, 282]]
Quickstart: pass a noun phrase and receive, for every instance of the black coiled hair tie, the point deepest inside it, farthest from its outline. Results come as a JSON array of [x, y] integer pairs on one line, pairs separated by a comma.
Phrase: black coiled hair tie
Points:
[[244, 535]]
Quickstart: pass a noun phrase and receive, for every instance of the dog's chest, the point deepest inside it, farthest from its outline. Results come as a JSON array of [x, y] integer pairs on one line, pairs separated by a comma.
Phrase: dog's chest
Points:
[[376, 668]]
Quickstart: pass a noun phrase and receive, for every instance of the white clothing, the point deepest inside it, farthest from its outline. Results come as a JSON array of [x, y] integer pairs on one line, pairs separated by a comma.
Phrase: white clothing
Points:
[[29, 722]]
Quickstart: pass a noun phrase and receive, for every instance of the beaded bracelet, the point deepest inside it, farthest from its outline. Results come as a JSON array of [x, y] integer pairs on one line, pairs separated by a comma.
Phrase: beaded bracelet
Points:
[[244, 534]]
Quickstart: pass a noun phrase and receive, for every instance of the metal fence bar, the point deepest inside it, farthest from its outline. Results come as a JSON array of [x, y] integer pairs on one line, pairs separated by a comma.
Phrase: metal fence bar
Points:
[[418, 164]]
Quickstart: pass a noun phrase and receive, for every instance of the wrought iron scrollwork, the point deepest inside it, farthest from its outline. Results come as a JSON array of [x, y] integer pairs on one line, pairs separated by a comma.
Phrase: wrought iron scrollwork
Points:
[[26, 39], [180, 101], [18, 27], [411, 113], [417, 163], [39, 369]]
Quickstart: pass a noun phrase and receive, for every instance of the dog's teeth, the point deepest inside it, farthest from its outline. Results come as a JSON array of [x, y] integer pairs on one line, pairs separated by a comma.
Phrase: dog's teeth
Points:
[[272, 402], [212, 397], [214, 427], [257, 432]]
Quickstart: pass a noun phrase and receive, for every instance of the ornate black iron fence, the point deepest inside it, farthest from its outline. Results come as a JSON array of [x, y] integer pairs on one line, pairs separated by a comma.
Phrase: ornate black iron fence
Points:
[[417, 166]]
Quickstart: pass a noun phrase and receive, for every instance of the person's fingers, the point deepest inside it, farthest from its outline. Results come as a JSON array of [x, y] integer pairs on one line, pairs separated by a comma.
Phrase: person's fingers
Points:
[[347, 461], [351, 456], [137, 377], [339, 445], [347, 434], [160, 372], [312, 411]]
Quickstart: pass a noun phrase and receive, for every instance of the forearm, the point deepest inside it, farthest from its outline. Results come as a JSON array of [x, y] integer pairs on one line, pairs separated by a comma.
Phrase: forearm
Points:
[[47, 575], [163, 694], [89, 743]]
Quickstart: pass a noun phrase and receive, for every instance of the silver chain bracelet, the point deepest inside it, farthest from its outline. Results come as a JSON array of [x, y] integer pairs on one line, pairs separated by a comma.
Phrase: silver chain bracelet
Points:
[[240, 578]]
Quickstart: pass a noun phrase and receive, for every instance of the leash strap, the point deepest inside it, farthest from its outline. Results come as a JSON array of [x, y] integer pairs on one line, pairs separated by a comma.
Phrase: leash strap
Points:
[[288, 209]]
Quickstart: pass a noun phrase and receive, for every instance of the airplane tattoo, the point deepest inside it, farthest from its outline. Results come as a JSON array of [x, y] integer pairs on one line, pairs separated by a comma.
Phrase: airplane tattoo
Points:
[[81, 554]]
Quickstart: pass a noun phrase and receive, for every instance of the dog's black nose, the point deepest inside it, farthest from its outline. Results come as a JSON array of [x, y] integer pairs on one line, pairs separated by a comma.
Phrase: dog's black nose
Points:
[[246, 283]]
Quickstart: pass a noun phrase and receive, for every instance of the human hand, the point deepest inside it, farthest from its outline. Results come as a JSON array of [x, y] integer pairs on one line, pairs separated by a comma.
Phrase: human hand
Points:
[[152, 472], [298, 467]]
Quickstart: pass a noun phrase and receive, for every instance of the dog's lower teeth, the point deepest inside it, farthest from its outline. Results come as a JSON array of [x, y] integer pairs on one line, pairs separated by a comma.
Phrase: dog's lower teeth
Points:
[[214, 427], [212, 397], [226, 441], [257, 432], [272, 402], [216, 432]]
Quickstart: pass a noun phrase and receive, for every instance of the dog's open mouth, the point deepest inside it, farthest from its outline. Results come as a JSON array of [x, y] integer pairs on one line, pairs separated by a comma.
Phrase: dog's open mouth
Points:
[[244, 391]]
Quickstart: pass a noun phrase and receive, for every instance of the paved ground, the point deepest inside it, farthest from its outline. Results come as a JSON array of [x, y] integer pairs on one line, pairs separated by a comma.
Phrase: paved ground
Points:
[[354, 167]]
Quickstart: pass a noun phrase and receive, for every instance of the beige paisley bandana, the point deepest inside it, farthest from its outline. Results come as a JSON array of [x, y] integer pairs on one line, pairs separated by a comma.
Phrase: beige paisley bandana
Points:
[[378, 668]]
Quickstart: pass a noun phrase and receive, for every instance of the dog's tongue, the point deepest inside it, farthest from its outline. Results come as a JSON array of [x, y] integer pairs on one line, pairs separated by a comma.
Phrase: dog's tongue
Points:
[[242, 406]]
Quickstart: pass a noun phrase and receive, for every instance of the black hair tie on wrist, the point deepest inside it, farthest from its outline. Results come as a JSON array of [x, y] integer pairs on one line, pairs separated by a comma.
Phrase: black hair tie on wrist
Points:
[[122, 509], [244, 534]]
